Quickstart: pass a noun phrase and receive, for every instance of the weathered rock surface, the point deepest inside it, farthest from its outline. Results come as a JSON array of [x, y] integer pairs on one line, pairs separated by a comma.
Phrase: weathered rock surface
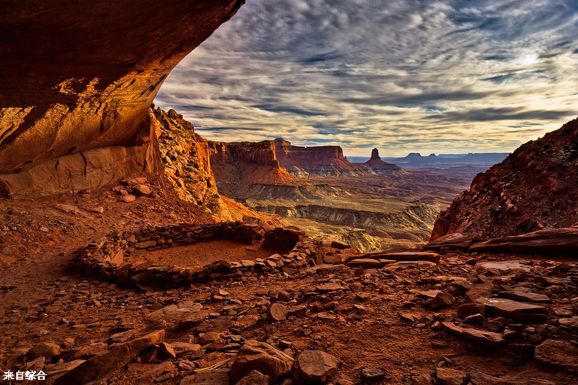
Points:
[[315, 366], [103, 365], [260, 356], [179, 316], [560, 354], [480, 337], [544, 242], [77, 83], [514, 309], [449, 376], [533, 189]]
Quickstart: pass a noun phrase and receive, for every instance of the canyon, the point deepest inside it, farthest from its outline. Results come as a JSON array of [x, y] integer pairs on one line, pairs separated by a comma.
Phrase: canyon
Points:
[[134, 251], [371, 206]]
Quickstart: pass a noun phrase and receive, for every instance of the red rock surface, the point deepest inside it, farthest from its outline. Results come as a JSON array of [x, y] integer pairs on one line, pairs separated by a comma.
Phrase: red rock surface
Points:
[[77, 82], [316, 160], [237, 166], [533, 189]]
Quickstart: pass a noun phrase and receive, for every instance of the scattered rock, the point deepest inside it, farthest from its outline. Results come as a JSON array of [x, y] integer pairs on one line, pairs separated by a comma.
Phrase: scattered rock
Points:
[[255, 378], [69, 209], [103, 365], [62, 367], [483, 338], [179, 316], [141, 190], [97, 368], [166, 350], [278, 311], [128, 198], [315, 366], [187, 349], [513, 309], [255, 355], [503, 267], [559, 354], [525, 294], [437, 299], [210, 377], [370, 375], [448, 376], [369, 263], [478, 378], [43, 349]]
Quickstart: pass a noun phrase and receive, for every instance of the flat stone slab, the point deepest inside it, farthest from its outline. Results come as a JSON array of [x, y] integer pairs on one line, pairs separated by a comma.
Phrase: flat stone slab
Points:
[[401, 256], [526, 295], [551, 241], [504, 267], [179, 316], [369, 263], [513, 309], [479, 337]]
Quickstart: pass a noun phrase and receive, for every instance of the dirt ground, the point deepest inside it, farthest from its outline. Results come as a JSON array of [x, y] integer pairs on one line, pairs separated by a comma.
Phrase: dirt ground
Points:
[[200, 254], [365, 318]]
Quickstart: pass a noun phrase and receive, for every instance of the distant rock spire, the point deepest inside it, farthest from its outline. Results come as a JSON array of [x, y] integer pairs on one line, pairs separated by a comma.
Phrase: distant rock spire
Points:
[[375, 154]]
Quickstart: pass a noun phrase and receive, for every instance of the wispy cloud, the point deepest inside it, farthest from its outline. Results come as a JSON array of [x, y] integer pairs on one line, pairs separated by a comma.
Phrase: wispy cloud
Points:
[[429, 76]]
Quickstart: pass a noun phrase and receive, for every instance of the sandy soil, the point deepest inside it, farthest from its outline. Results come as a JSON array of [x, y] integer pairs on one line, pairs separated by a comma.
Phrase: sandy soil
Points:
[[200, 254]]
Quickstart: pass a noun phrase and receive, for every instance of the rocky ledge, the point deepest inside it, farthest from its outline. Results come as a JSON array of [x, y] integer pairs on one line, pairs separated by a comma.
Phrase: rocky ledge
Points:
[[533, 189], [553, 242]]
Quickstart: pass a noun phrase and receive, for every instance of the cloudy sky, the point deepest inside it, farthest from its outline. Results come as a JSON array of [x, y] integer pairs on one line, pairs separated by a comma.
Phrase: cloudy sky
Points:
[[414, 75]]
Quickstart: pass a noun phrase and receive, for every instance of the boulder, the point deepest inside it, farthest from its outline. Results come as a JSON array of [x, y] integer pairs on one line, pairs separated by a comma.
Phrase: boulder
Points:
[[260, 356], [315, 366], [558, 354]]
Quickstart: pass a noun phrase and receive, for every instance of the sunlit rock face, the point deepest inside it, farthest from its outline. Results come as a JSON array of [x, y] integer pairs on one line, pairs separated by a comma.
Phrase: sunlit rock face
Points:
[[77, 80], [534, 188]]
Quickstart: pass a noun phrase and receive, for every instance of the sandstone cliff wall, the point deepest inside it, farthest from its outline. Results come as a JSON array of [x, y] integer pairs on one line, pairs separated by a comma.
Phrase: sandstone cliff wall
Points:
[[77, 81]]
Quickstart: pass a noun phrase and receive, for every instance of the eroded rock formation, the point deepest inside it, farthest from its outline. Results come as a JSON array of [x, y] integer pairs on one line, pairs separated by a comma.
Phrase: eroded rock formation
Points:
[[533, 189], [325, 160], [77, 81], [240, 166], [187, 164], [377, 164]]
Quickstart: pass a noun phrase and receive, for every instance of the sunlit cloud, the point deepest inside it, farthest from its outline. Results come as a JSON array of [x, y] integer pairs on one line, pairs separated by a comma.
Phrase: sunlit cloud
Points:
[[404, 76]]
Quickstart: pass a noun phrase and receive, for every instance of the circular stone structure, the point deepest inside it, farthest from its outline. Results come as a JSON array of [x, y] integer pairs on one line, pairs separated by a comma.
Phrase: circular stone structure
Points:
[[181, 255]]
